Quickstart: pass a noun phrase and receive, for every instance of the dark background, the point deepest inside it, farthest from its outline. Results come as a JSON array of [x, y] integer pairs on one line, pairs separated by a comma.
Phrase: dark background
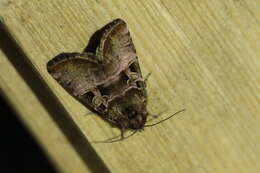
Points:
[[19, 151]]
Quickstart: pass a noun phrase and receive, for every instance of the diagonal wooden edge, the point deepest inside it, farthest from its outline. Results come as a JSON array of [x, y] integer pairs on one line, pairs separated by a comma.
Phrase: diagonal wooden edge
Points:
[[49, 101]]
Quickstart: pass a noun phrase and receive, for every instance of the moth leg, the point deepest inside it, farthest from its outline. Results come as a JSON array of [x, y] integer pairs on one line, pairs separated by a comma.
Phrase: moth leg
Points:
[[98, 99], [133, 77], [147, 76], [122, 133]]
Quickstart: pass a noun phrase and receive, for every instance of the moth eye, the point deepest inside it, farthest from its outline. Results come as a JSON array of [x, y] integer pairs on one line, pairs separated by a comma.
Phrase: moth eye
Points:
[[131, 112]]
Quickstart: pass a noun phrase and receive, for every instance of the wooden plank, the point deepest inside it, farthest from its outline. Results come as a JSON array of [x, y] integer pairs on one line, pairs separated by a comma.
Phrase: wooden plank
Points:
[[203, 56], [17, 84], [37, 119]]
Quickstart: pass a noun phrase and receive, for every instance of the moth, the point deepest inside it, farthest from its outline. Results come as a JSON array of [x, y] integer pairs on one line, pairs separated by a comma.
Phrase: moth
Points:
[[107, 80]]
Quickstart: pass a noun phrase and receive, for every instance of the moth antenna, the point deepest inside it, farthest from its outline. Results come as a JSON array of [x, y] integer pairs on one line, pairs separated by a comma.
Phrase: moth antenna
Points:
[[150, 125], [110, 140], [155, 116], [147, 76]]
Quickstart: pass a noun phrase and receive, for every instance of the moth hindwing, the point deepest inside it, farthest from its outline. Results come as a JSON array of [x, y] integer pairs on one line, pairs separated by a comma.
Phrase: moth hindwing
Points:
[[108, 81]]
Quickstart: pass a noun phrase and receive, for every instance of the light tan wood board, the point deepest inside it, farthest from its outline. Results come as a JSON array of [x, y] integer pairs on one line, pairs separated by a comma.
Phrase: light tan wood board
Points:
[[203, 55]]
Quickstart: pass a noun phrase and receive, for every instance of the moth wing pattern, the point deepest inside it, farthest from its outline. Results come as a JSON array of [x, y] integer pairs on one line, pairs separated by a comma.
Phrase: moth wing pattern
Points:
[[116, 46], [77, 73]]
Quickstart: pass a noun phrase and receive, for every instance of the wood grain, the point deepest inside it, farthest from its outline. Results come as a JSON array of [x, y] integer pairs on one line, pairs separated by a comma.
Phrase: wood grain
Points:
[[203, 55]]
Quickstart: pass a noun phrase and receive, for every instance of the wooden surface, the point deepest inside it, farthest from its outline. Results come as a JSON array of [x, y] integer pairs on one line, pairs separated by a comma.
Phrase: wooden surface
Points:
[[203, 55]]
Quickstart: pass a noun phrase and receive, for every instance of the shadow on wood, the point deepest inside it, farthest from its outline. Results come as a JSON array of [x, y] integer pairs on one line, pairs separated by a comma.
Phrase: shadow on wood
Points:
[[51, 103]]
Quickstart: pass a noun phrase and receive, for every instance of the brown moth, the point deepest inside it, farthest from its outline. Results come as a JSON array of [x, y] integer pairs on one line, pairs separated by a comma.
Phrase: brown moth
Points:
[[108, 81]]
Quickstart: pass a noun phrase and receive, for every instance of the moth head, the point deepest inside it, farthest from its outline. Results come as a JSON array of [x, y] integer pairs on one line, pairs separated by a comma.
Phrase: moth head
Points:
[[136, 117]]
